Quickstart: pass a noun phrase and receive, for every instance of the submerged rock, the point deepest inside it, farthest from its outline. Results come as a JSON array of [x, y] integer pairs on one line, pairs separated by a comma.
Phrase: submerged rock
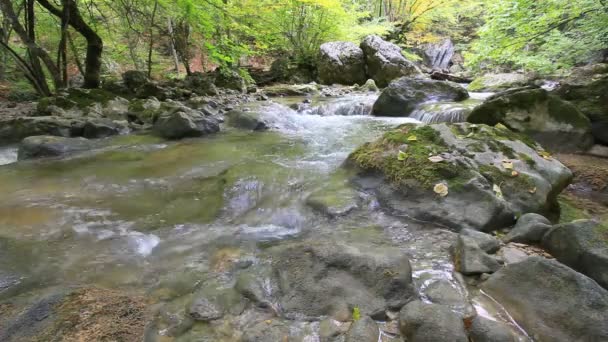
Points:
[[422, 322], [341, 63], [404, 95], [551, 301], [582, 245], [51, 146], [498, 82], [480, 177], [385, 62], [556, 124]]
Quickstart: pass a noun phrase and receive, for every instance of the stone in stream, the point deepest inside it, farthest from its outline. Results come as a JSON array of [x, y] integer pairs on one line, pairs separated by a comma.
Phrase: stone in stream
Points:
[[469, 259], [551, 301], [582, 245], [422, 322], [341, 63], [486, 330], [230, 79], [404, 95], [486, 242], [334, 202], [266, 331], [178, 121], [498, 82], [480, 178], [363, 330], [530, 228], [51, 146], [321, 278], [555, 123], [246, 120], [385, 62]]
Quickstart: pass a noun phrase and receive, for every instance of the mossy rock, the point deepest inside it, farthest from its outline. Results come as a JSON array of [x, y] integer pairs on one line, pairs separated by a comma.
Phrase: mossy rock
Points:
[[75, 99], [488, 181], [556, 124], [497, 82]]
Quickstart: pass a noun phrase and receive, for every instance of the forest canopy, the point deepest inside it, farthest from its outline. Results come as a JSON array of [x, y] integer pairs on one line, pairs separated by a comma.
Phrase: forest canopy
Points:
[[49, 41]]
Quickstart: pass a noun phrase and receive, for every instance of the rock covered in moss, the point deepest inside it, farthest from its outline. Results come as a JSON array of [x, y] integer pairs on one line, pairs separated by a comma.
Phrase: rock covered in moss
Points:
[[479, 177], [498, 82], [556, 124], [341, 63], [582, 245], [385, 62], [405, 94]]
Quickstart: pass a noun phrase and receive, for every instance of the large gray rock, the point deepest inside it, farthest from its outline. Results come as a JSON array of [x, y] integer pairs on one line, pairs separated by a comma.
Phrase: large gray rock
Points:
[[51, 146], [201, 84], [469, 259], [363, 330], [555, 123], [230, 79], [582, 245], [486, 242], [471, 186], [321, 278], [486, 330], [134, 79], [385, 62], [530, 228], [551, 301], [405, 94], [341, 63], [246, 120], [178, 121], [438, 56], [422, 322], [498, 82], [16, 129]]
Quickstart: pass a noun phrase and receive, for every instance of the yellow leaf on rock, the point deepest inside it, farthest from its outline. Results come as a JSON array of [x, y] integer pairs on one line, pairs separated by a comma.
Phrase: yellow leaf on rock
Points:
[[498, 191], [401, 156], [412, 138], [500, 126], [514, 174], [441, 189], [532, 191], [436, 159], [546, 155], [507, 164]]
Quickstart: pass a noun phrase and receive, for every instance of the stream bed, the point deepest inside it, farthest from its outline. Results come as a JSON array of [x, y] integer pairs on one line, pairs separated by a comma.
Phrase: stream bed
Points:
[[161, 218]]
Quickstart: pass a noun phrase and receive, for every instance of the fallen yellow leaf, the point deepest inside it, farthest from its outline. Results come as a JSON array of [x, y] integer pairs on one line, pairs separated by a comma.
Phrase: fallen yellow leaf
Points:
[[401, 156], [507, 164], [498, 191], [441, 189], [514, 173], [532, 191], [412, 138]]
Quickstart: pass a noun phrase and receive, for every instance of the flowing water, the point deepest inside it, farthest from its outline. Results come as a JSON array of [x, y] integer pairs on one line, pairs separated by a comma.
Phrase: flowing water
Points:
[[157, 216]]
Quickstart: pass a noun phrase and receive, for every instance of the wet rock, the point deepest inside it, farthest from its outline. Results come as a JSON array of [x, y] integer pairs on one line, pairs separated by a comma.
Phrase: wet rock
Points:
[[486, 242], [116, 109], [556, 124], [200, 84], [334, 202], [341, 63], [498, 82], [486, 330], [51, 146], [330, 330], [481, 193], [438, 56], [257, 284], [134, 79], [582, 245], [551, 301], [185, 124], [369, 86], [363, 330], [443, 292], [511, 254], [246, 120], [271, 330], [404, 95], [203, 309], [103, 128], [319, 278], [291, 90], [230, 79], [15, 130], [144, 111], [530, 228], [385, 62], [421, 322], [470, 259]]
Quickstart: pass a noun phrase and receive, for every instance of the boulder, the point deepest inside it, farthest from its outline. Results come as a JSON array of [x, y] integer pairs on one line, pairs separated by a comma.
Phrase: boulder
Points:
[[438, 56], [51, 146], [200, 84], [422, 322], [487, 330], [530, 228], [16, 129], [469, 259], [468, 183], [334, 201], [555, 123], [498, 82], [246, 120], [486, 242], [551, 301], [385, 62], [134, 79], [322, 278], [144, 111], [103, 128], [178, 121], [405, 94], [291, 90], [582, 245], [230, 79], [341, 63], [212, 301], [369, 86], [363, 330]]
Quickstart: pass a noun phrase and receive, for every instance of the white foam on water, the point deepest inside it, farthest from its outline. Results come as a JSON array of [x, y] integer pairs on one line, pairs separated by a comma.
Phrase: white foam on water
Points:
[[8, 155]]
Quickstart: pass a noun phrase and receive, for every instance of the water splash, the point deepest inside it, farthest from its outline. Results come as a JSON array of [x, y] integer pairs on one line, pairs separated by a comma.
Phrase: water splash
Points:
[[445, 111], [8, 155]]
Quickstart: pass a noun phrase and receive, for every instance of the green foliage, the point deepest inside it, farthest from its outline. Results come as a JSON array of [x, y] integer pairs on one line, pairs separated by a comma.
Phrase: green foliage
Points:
[[543, 36], [356, 313]]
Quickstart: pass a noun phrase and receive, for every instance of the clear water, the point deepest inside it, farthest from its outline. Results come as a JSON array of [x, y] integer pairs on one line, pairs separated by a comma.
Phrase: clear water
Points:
[[161, 216]]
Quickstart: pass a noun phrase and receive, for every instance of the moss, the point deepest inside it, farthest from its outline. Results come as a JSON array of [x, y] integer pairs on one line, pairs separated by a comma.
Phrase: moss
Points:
[[570, 210], [563, 111], [509, 184], [526, 158]]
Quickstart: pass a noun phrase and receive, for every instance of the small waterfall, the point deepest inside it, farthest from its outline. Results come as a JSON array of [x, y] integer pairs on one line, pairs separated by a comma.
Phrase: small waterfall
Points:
[[347, 106], [444, 112], [8, 155]]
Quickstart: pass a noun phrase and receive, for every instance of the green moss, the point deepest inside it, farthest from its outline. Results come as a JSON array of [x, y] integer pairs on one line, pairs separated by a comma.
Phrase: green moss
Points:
[[569, 211], [566, 112], [526, 158], [509, 184]]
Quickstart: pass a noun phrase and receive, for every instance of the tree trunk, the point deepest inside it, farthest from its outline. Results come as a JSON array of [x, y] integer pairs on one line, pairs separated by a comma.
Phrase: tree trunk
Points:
[[92, 73], [173, 50], [150, 48]]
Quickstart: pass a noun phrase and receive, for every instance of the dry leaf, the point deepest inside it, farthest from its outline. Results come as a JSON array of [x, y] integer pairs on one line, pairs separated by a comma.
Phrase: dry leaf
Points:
[[500, 126], [469, 135], [412, 138], [401, 156], [441, 189], [514, 173], [436, 159], [498, 191], [507, 164], [546, 155], [532, 191]]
